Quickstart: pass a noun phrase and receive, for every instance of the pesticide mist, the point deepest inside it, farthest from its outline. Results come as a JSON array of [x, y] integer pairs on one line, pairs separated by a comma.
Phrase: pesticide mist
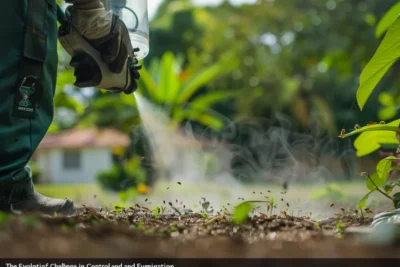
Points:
[[243, 161]]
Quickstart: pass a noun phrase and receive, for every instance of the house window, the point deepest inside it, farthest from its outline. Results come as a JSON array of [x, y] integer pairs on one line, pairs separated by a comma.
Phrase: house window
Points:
[[72, 159]]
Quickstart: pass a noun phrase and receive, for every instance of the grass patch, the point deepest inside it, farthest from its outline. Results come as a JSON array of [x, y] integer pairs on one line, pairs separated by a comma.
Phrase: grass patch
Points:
[[79, 193]]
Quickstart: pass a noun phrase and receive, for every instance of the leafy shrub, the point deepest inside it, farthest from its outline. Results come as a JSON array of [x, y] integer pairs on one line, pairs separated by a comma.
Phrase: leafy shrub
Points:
[[122, 176]]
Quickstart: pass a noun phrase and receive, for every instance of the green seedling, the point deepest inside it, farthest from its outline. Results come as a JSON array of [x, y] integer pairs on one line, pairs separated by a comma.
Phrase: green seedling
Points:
[[271, 203], [156, 212], [376, 182], [118, 208], [139, 225], [241, 211], [172, 229], [340, 230]]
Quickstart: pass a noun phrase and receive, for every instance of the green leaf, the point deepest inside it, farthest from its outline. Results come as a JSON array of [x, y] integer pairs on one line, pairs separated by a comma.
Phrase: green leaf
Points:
[[376, 179], [372, 137], [146, 85], [272, 202], [156, 212], [140, 225], [241, 213], [207, 100], [339, 227], [387, 20], [169, 81], [205, 118], [363, 202], [386, 55], [392, 127], [196, 82], [384, 167]]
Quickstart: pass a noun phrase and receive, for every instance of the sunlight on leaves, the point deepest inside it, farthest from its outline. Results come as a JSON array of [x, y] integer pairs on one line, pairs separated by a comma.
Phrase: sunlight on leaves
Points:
[[386, 55]]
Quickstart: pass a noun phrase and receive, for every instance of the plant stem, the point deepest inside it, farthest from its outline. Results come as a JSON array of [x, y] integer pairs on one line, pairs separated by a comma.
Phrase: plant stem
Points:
[[220, 217], [383, 193], [373, 128]]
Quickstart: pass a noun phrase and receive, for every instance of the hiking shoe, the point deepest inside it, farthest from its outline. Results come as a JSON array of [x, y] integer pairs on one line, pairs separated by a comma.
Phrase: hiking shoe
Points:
[[22, 197]]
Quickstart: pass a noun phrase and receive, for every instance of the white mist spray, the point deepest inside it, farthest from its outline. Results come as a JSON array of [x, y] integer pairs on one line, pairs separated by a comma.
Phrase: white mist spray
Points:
[[277, 154]]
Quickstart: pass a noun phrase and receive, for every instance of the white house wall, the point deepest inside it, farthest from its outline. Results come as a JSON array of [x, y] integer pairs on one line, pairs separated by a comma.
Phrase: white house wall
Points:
[[92, 161]]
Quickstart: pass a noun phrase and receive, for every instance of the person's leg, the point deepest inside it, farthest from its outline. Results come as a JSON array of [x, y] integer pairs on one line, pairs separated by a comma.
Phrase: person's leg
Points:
[[21, 127]]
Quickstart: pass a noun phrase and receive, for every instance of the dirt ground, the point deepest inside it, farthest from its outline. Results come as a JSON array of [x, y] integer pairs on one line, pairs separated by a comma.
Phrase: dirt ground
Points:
[[136, 233]]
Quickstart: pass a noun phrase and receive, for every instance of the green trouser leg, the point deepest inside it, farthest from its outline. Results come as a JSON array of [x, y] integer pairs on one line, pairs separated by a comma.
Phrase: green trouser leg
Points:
[[19, 137]]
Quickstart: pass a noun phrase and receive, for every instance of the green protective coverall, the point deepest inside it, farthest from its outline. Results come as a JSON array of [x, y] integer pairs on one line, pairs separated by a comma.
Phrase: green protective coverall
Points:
[[28, 70], [19, 135]]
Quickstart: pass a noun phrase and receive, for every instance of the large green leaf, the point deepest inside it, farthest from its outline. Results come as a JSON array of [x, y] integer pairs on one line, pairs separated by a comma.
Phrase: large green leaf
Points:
[[376, 179], [371, 141], [387, 20], [363, 202], [207, 100], [241, 213], [372, 137], [205, 118], [147, 86], [384, 167], [169, 81], [196, 82], [386, 55]]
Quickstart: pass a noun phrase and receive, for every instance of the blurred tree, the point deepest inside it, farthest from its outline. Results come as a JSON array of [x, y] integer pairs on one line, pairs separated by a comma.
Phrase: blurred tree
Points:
[[302, 57]]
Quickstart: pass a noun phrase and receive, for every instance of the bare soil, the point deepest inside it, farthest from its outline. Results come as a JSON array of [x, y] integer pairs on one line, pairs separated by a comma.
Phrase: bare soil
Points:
[[136, 233]]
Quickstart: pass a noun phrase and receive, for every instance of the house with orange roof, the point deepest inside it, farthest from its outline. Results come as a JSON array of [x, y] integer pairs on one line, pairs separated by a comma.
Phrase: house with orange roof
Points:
[[77, 155]]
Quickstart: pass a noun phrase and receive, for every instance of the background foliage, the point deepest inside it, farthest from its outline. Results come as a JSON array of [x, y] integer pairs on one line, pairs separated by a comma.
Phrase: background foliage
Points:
[[302, 59]]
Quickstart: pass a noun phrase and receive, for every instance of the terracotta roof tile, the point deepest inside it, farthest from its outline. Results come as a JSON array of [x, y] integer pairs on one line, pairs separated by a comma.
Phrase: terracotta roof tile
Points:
[[79, 138]]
